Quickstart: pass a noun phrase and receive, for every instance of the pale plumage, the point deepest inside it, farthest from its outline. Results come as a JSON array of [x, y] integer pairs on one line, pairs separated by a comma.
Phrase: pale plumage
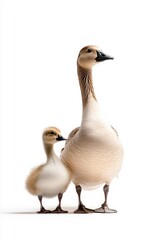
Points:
[[93, 152], [52, 178]]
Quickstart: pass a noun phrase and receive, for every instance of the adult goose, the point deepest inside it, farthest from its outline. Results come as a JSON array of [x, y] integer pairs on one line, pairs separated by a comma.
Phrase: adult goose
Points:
[[52, 178], [93, 152]]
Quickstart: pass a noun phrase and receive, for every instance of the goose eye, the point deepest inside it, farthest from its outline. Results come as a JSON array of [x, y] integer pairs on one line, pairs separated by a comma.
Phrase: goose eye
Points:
[[89, 50], [53, 133]]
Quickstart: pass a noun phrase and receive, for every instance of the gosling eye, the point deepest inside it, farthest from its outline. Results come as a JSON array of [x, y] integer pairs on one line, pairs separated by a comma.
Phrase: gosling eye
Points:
[[89, 50], [53, 133]]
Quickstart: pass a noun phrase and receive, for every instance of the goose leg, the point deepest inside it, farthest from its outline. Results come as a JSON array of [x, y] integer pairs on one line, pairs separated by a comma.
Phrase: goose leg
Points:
[[104, 208], [58, 208], [42, 209], [81, 207]]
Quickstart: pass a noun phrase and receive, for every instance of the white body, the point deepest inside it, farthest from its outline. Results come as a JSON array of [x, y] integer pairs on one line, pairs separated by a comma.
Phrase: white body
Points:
[[94, 155], [53, 178]]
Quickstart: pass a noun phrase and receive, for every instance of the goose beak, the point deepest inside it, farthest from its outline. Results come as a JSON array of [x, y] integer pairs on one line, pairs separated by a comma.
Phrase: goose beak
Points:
[[102, 57], [60, 138]]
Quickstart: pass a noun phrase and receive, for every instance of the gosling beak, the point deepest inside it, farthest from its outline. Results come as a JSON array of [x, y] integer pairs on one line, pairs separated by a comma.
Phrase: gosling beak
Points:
[[102, 57], [60, 138]]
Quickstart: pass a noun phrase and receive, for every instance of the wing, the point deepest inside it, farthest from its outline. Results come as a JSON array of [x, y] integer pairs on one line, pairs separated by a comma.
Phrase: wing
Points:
[[115, 130], [33, 178], [72, 134]]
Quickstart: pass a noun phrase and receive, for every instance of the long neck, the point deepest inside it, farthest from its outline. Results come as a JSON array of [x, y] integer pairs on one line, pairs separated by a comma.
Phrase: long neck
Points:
[[86, 85], [49, 150], [91, 111]]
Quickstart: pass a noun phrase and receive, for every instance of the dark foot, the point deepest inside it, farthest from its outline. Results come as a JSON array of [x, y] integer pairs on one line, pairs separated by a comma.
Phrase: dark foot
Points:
[[43, 210], [59, 210], [82, 209], [105, 209]]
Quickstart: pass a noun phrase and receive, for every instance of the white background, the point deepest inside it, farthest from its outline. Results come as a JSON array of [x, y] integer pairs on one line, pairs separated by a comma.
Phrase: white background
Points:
[[40, 41]]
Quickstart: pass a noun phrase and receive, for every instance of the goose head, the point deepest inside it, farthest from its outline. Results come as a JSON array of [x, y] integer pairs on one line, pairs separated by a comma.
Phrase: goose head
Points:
[[52, 135], [91, 55]]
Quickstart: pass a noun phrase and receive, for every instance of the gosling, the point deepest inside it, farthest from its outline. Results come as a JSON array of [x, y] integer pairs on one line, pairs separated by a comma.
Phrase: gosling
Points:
[[52, 178]]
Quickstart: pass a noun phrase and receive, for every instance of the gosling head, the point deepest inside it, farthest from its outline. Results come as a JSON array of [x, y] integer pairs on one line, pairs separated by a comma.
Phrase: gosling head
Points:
[[90, 55], [52, 135]]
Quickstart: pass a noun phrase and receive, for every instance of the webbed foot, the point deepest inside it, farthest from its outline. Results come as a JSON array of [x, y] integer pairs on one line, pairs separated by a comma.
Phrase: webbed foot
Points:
[[59, 210], [105, 209], [43, 210], [82, 209]]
